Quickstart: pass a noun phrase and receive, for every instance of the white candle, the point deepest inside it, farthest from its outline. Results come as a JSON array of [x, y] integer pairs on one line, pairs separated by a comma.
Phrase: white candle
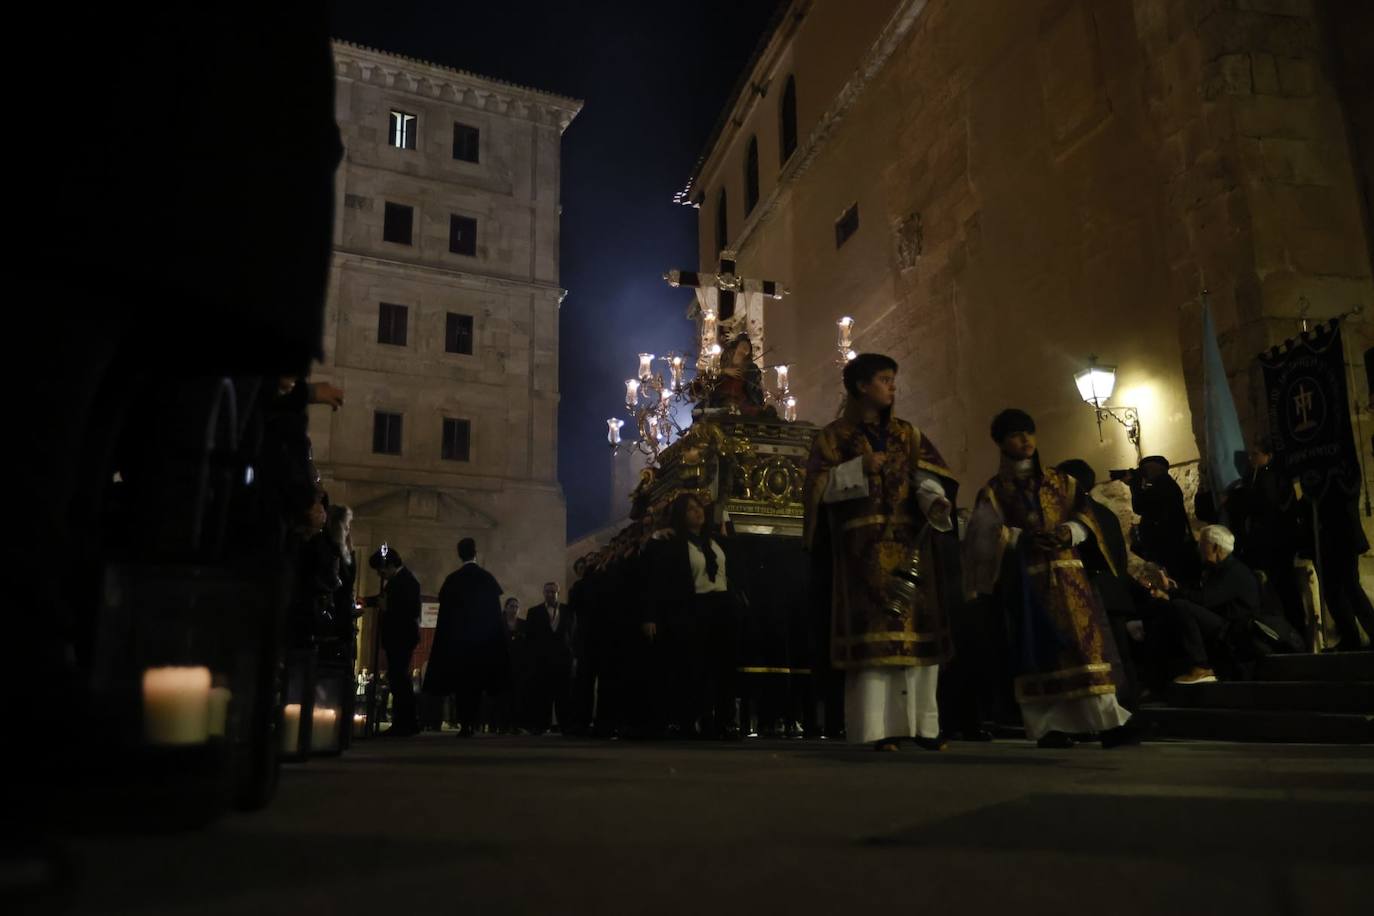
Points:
[[176, 707], [359, 723], [219, 710], [324, 726], [291, 728]]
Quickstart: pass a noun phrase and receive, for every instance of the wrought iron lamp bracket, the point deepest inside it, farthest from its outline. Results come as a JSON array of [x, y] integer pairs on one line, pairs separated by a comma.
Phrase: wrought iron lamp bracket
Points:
[[1128, 417]]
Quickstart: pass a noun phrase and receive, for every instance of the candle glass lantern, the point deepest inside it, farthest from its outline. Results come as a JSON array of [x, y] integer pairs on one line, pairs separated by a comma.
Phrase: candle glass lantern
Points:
[[646, 366], [333, 685], [298, 711]]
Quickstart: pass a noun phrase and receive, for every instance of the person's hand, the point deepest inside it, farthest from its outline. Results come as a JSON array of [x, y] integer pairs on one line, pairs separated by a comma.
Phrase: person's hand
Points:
[[325, 393], [1058, 539], [874, 461], [1169, 584], [650, 630], [732, 372]]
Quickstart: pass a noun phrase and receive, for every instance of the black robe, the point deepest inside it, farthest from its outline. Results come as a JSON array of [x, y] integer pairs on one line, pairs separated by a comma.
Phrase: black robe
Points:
[[470, 645]]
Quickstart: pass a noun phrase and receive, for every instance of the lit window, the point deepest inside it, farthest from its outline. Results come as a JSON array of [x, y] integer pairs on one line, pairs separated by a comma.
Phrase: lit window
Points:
[[403, 130]]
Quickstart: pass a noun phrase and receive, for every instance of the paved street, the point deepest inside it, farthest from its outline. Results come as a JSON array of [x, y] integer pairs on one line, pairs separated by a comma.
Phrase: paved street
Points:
[[547, 825]]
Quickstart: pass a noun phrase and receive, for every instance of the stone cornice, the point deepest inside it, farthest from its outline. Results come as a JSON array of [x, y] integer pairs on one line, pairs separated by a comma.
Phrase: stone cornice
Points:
[[882, 49], [447, 84], [465, 277]]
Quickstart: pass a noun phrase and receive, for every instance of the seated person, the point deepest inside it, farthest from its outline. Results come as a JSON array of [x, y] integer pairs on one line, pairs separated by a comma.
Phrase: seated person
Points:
[[1200, 618], [741, 381]]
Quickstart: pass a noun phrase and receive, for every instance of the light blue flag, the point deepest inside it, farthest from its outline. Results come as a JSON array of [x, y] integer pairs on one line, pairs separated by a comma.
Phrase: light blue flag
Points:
[[1224, 438]]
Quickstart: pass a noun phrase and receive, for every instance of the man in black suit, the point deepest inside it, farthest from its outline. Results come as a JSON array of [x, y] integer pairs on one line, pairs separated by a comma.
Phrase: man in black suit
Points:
[[400, 633], [470, 653], [546, 630]]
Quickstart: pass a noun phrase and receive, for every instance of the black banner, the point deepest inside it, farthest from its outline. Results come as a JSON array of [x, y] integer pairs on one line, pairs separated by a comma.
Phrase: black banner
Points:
[[1309, 410]]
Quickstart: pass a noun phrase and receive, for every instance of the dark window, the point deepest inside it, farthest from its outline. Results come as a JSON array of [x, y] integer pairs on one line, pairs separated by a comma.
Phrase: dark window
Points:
[[458, 334], [751, 176], [403, 130], [457, 440], [391, 324], [722, 222], [788, 120], [846, 225], [386, 433], [462, 235], [397, 222], [465, 139]]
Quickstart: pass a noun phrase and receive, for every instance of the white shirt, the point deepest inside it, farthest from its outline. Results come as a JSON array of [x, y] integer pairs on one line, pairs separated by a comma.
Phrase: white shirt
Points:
[[701, 583]]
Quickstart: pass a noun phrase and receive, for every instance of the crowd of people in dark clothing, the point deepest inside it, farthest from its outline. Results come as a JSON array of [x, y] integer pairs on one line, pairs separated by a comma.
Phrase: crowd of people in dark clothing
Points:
[[647, 644]]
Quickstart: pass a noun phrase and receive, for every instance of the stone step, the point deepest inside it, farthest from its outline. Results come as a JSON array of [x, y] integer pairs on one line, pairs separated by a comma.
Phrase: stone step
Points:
[[1309, 696], [1256, 725], [1328, 666]]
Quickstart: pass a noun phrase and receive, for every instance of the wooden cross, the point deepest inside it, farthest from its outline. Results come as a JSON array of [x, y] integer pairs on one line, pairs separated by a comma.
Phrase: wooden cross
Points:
[[726, 283]]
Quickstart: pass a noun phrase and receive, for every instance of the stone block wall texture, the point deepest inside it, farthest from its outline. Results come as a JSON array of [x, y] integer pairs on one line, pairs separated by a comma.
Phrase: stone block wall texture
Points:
[[506, 495], [1044, 181]]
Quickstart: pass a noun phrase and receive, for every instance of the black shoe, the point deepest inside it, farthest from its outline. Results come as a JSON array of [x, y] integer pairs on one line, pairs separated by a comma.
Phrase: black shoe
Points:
[[1121, 736], [938, 743], [1055, 740]]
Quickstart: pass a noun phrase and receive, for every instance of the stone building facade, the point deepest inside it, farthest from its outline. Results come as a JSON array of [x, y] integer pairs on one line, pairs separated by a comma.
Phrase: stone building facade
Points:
[[996, 192], [442, 319]]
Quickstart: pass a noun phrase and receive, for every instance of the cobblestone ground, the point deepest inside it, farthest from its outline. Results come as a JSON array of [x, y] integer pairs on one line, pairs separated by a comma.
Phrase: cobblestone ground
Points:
[[549, 825]]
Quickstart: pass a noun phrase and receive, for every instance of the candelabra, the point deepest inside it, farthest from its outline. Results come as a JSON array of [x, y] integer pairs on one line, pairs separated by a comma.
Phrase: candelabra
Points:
[[650, 400], [783, 397]]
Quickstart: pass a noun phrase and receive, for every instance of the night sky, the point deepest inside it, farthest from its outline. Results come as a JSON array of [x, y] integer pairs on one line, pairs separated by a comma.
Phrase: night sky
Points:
[[654, 76]]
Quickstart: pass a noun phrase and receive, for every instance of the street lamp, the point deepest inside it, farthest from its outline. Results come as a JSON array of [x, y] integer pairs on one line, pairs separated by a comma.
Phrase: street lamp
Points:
[[1095, 386]]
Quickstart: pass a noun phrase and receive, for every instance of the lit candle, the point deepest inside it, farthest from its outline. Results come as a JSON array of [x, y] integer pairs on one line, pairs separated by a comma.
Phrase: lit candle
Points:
[[713, 358], [653, 428], [782, 377], [849, 355], [176, 705], [291, 728], [219, 710], [631, 392], [646, 366], [789, 409], [613, 425], [359, 724], [665, 396], [708, 327], [846, 325], [676, 365], [324, 727]]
